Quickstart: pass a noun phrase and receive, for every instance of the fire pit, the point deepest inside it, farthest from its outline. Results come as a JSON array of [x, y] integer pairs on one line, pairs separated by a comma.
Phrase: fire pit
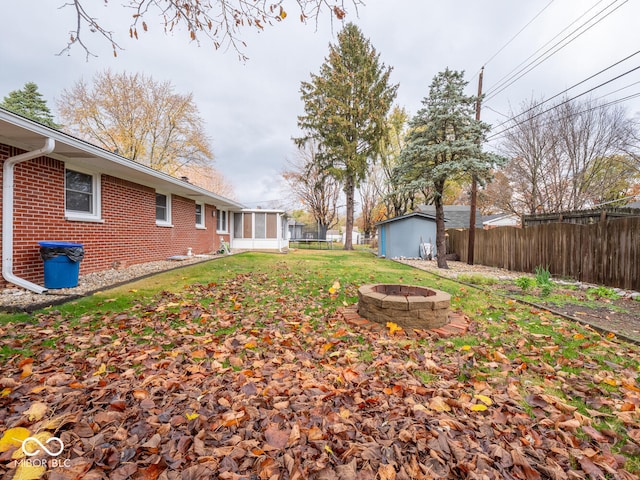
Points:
[[407, 306]]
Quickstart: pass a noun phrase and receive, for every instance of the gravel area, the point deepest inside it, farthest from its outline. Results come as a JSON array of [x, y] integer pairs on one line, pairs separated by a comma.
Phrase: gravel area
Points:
[[457, 268], [18, 299], [501, 274]]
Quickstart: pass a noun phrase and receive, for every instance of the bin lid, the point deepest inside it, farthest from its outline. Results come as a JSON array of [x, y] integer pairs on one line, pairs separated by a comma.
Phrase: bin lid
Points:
[[55, 244]]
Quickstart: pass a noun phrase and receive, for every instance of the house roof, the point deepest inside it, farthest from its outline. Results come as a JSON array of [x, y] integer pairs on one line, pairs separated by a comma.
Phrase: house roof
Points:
[[456, 216], [26, 134], [497, 217], [425, 216]]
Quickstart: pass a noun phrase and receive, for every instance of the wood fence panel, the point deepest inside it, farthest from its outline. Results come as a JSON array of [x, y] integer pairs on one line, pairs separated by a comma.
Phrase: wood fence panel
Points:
[[605, 253]]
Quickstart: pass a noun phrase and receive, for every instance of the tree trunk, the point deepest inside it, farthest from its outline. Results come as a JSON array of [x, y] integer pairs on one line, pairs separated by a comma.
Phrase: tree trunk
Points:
[[349, 191], [322, 231], [441, 244]]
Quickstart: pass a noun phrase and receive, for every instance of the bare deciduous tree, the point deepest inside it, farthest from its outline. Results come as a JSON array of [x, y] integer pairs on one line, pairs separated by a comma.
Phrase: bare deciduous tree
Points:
[[590, 139], [139, 118], [314, 187], [370, 199], [529, 145], [567, 156], [497, 196]]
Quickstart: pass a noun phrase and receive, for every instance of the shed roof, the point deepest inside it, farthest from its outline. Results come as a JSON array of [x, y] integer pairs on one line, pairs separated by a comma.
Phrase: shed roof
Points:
[[425, 216], [26, 134], [456, 216]]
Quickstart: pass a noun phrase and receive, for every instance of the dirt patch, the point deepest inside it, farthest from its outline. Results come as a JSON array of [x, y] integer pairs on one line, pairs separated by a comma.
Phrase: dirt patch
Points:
[[620, 316]]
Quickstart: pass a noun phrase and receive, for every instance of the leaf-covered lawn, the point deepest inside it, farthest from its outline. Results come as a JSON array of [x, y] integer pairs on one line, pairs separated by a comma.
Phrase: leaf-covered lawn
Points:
[[250, 373]]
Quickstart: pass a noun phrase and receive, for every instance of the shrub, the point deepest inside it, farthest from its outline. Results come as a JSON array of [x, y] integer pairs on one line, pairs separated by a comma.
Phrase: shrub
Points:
[[525, 283], [545, 290], [543, 276], [602, 292]]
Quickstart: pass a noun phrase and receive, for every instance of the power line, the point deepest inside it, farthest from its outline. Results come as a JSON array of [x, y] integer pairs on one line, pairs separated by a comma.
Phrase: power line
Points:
[[499, 113], [619, 89], [571, 99], [603, 105], [510, 78], [570, 88], [518, 34], [509, 75]]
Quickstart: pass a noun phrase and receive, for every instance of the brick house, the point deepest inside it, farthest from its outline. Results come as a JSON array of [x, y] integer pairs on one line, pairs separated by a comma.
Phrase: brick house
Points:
[[56, 187]]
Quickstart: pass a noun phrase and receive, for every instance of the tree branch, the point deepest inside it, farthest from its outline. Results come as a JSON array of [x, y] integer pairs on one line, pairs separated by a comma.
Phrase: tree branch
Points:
[[221, 21]]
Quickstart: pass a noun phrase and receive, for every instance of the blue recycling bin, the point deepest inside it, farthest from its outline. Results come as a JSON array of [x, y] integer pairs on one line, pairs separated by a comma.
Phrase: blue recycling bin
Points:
[[61, 263]]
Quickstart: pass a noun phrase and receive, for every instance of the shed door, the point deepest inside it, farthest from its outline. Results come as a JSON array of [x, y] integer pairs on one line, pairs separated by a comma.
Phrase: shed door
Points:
[[383, 246]]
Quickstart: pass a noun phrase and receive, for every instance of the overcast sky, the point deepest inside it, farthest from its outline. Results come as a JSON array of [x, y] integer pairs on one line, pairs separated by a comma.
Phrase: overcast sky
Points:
[[251, 108]]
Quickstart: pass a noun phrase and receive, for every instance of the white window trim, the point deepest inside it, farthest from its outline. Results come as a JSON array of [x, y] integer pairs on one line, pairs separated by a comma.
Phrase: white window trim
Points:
[[201, 226], [167, 222], [73, 215], [226, 229]]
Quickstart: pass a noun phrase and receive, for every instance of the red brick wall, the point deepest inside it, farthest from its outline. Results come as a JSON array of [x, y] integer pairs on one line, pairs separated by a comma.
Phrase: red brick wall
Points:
[[127, 235]]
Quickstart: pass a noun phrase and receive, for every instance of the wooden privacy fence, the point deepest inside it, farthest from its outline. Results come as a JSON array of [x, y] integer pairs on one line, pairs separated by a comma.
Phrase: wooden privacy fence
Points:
[[605, 253]]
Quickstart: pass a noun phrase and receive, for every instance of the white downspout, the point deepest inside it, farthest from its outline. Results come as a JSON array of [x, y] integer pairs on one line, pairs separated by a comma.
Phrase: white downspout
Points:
[[7, 215]]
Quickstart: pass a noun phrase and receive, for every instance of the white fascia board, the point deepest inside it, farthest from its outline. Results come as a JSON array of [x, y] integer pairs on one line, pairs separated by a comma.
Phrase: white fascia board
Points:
[[77, 152]]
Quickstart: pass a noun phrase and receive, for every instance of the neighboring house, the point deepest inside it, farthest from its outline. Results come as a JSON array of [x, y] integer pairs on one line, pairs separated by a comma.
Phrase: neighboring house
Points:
[[59, 188], [402, 236], [294, 229], [456, 216], [356, 237], [334, 236], [500, 220]]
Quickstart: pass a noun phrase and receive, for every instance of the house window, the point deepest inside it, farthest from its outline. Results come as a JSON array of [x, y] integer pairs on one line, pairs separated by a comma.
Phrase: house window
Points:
[[237, 225], [163, 209], [200, 215], [222, 225], [82, 195]]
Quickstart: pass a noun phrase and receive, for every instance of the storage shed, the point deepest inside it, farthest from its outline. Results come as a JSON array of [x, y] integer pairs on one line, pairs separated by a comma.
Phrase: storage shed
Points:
[[402, 236]]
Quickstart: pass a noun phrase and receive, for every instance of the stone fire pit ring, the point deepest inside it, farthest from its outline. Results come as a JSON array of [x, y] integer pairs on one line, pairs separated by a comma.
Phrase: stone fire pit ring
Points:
[[408, 306]]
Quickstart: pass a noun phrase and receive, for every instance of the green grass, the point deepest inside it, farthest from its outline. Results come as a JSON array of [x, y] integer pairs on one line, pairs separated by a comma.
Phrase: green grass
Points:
[[299, 293], [477, 279]]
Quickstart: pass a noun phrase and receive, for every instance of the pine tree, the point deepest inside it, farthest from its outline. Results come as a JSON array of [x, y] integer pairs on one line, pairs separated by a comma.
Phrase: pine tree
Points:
[[346, 106], [445, 143], [29, 103]]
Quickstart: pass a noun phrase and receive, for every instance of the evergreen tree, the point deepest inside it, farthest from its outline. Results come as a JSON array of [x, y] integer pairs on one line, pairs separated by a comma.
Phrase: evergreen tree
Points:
[[29, 103], [346, 106], [444, 143]]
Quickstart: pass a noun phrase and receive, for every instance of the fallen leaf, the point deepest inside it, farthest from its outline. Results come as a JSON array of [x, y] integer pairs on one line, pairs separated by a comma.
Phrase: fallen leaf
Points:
[[36, 411], [29, 471], [393, 328], [478, 407], [13, 438], [275, 437], [484, 399], [439, 405]]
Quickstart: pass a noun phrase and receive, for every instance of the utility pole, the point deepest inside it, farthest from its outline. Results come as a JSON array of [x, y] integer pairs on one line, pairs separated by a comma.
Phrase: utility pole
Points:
[[474, 185]]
